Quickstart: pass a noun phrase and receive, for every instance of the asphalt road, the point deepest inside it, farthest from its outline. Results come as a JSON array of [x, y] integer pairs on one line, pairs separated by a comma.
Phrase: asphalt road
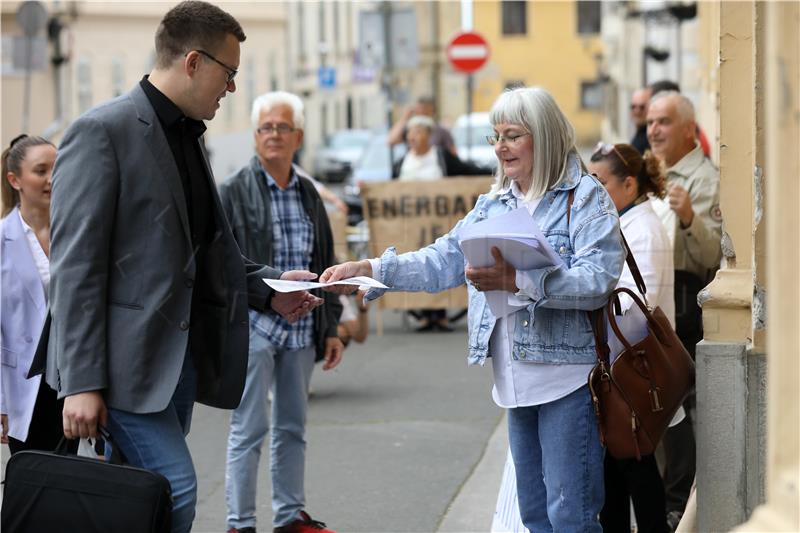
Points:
[[393, 435], [396, 437]]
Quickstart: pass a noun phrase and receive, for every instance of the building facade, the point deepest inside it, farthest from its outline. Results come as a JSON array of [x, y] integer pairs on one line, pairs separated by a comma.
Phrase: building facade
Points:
[[108, 47], [555, 45]]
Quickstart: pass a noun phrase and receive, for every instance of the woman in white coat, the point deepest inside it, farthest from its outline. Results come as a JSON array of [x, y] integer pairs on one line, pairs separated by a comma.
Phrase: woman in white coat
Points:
[[31, 414], [631, 181]]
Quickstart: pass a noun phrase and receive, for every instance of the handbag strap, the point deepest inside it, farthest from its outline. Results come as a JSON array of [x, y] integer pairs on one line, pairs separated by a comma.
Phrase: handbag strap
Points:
[[595, 317], [637, 275], [652, 323]]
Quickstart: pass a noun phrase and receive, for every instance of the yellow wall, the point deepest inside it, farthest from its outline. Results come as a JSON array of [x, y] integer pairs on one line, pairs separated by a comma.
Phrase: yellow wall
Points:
[[552, 54]]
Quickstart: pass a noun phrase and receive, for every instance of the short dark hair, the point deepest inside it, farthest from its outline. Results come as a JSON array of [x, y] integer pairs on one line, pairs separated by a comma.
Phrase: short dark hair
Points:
[[663, 85], [193, 25]]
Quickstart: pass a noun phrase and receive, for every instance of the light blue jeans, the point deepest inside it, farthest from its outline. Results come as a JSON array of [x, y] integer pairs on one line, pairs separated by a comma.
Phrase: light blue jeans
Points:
[[157, 442], [559, 464], [287, 373]]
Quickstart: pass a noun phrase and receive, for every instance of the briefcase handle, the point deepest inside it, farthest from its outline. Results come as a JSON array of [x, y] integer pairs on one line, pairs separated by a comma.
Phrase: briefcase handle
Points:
[[116, 458]]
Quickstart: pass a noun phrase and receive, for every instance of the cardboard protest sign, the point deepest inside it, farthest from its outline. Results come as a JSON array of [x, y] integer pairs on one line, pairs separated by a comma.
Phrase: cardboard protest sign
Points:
[[412, 214]]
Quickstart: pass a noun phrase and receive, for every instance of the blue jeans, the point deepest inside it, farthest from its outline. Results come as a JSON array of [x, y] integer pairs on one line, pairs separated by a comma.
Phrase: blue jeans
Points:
[[287, 373], [559, 464], [157, 442]]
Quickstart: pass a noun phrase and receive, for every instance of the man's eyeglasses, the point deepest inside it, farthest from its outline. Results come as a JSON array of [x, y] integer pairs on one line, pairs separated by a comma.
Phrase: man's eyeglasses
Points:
[[232, 72], [634, 107], [508, 139], [606, 149], [281, 129]]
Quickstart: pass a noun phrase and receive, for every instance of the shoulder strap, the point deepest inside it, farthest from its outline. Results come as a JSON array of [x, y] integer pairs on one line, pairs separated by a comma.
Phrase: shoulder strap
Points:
[[595, 317], [637, 276]]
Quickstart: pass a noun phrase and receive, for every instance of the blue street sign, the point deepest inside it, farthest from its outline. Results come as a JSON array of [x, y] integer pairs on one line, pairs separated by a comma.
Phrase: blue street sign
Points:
[[327, 77]]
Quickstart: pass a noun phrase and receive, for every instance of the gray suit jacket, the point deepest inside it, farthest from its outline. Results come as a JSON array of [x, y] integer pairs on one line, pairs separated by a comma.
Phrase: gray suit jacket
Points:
[[123, 270]]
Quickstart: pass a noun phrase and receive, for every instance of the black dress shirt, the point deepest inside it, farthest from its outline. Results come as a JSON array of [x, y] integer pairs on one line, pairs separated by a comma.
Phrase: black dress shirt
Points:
[[183, 135]]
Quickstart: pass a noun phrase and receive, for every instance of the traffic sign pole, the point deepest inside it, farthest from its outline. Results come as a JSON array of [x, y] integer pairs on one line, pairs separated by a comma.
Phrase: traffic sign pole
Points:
[[468, 52]]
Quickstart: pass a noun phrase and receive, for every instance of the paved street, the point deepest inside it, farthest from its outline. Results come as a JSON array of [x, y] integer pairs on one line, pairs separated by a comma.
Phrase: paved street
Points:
[[396, 436], [393, 435]]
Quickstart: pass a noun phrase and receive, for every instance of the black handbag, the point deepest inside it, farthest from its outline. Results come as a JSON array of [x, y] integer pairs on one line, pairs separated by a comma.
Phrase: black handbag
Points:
[[57, 491]]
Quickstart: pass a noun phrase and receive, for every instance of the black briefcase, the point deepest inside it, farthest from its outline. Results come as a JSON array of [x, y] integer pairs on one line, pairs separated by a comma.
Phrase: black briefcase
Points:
[[56, 491]]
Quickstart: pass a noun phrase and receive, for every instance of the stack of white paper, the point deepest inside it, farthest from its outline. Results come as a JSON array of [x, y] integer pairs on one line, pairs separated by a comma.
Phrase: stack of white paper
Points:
[[520, 242]]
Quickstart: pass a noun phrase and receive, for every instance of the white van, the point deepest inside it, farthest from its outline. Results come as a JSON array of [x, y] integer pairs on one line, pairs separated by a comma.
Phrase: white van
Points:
[[476, 149]]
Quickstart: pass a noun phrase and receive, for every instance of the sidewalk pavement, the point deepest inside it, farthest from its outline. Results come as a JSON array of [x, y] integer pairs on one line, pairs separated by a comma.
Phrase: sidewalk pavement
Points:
[[473, 507]]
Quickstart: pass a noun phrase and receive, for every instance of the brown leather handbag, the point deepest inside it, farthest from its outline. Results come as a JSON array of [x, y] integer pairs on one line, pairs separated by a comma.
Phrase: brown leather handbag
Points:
[[636, 397]]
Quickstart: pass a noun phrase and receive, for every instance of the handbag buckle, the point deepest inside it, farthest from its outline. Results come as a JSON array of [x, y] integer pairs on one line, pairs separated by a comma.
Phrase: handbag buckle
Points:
[[655, 400]]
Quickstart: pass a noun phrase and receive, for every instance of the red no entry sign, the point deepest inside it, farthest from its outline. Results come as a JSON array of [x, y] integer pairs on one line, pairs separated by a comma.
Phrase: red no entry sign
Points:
[[468, 52]]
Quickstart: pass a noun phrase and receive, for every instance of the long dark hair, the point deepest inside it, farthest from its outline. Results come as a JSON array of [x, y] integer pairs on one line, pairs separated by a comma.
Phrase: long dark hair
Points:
[[624, 160], [13, 156]]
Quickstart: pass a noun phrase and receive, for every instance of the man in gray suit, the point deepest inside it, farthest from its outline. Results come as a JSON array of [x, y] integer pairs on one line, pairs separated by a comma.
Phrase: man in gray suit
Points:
[[149, 291]]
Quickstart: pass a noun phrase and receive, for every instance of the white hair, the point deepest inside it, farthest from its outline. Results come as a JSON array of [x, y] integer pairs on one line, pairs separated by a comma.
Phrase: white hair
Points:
[[422, 121], [553, 136], [683, 105], [267, 101]]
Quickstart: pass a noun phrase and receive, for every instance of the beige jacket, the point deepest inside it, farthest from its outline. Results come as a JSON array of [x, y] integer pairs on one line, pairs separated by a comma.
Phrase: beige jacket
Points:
[[697, 248]]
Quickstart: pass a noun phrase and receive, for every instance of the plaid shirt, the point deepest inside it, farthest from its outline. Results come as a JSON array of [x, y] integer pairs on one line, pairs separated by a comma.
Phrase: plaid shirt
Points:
[[293, 238]]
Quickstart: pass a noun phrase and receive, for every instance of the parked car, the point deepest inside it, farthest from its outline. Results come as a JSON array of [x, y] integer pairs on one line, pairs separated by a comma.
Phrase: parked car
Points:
[[336, 158], [475, 149], [374, 165]]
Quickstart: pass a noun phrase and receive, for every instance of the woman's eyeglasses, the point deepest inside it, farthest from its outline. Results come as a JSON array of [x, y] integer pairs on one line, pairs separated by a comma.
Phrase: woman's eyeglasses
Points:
[[508, 139], [606, 149]]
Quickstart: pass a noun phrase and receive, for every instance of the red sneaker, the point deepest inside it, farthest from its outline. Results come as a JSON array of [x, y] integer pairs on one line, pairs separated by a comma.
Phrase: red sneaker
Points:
[[304, 524]]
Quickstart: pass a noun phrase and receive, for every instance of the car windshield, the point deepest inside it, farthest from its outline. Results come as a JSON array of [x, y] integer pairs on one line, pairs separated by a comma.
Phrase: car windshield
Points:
[[350, 139], [477, 135], [377, 155]]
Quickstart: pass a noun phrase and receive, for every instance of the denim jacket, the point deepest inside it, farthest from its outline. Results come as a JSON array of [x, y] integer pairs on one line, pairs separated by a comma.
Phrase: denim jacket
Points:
[[554, 327]]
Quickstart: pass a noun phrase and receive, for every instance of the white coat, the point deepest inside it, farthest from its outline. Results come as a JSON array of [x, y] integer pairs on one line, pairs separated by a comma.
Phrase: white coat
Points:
[[23, 308]]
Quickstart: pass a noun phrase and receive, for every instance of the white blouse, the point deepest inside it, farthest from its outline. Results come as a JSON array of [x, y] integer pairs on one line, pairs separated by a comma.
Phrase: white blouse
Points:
[[39, 257], [525, 383], [421, 167]]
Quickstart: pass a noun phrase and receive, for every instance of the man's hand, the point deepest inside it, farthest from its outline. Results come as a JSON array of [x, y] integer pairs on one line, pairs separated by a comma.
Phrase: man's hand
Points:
[[295, 305], [4, 423], [681, 203], [344, 271], [502, 276], [333, 353], [82, 413]]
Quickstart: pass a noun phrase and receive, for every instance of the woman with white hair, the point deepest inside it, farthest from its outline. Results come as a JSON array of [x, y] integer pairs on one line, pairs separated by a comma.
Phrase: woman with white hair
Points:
[[543, 351], [425, 161]]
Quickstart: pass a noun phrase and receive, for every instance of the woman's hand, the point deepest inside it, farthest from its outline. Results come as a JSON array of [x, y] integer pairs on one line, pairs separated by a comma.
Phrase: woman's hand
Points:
[[344, 271], [501, 276], [4, 422]]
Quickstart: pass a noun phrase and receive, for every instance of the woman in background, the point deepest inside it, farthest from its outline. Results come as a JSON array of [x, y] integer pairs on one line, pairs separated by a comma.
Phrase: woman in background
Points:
[[31, 414], [631, 181], [426, 162]]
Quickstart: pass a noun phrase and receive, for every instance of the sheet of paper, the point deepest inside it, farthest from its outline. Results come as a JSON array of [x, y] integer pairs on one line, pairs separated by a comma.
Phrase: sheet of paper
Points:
[[519, 240], [284, 285], [517, 221]]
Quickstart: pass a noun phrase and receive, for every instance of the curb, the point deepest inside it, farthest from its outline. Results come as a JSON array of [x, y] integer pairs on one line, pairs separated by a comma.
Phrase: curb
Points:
[[472, 509]]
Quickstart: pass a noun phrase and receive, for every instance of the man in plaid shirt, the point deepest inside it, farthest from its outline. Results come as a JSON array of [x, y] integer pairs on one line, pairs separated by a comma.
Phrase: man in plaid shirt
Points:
[[276, 213]]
